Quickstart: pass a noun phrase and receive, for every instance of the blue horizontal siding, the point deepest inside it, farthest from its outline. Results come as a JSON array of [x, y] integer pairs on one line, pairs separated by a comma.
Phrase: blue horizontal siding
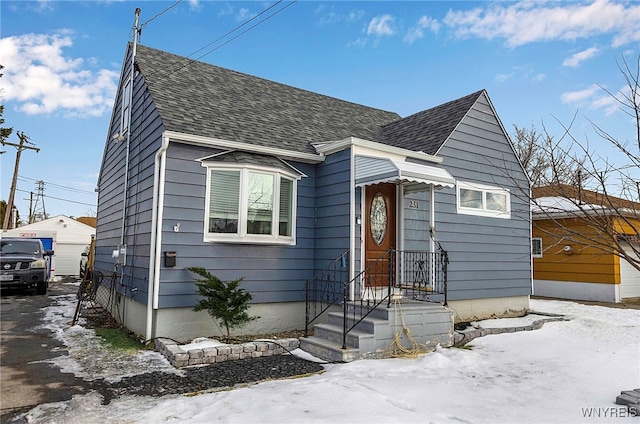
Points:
[[272, 273], [489, 257]]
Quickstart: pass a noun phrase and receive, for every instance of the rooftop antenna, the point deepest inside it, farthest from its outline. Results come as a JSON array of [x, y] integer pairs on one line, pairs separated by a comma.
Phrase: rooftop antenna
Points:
[[136, 33]]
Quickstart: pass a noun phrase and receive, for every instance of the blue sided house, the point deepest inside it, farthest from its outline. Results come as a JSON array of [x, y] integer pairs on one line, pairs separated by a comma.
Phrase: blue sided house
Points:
[[336, 215]]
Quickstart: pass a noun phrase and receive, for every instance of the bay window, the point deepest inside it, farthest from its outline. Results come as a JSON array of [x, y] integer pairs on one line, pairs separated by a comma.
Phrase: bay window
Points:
[[250, 205]]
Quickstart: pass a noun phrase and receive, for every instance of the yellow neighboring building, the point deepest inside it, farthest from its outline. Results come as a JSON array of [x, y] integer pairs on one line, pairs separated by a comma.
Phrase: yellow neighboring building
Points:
[[575, 251]]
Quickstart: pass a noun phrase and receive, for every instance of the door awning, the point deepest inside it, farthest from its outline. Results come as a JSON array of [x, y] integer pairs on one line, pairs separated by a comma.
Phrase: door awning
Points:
[[372, 170]]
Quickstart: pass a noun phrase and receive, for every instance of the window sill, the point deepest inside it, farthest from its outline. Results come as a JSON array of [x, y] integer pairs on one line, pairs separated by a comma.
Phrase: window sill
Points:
[[255, 240], [489, 214]]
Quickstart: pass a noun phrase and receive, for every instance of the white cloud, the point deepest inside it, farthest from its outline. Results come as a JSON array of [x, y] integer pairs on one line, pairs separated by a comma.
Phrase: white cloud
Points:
[[580, 95], [577, 58], [225, 10], [331, 17], [360, 42], [416, 32], [195, 5], [528, 22], [522, 72], [381, 25], [503, 77], [42, 80], [596, 98], [244, 14]]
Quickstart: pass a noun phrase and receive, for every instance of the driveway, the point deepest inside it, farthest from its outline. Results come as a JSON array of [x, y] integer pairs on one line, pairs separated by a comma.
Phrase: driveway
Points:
[[26, 378]]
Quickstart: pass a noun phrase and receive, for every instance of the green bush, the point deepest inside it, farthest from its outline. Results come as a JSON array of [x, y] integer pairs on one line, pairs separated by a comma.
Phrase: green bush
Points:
[[224, 301]]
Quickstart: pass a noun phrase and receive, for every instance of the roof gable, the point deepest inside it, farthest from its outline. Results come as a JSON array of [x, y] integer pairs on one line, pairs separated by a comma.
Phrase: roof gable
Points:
[[428, 130], [197, 98]]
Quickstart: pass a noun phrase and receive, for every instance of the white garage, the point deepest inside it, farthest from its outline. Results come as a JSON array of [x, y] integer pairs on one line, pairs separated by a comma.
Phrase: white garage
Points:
[[629, 279], [70, 237]]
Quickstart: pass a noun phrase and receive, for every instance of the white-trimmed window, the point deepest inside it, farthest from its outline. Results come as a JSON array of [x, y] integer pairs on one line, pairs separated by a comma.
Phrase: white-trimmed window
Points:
[[536, 247], [477, 199], [126, 106], [248, 204]]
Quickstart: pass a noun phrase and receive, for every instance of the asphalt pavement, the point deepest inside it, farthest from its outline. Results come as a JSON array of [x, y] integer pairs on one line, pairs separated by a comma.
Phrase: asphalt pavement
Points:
[[27, 379]]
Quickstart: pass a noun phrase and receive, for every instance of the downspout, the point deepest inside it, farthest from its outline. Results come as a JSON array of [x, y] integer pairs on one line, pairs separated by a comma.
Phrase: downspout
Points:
[[156, 234], [432, 232], [353, 225], [432, 219]]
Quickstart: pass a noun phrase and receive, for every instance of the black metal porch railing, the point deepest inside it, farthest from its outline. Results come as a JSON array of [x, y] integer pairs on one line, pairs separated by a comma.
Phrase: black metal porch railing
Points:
[[423, 275], [416, 275], [325, 289]]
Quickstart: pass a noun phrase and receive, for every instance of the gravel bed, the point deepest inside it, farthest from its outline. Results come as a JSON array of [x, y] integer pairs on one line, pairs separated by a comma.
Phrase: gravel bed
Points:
[[208, 377]]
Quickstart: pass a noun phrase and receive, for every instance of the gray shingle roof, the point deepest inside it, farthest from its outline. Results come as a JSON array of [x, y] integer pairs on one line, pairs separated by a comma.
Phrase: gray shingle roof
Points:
[[427, 130], [198, 98]]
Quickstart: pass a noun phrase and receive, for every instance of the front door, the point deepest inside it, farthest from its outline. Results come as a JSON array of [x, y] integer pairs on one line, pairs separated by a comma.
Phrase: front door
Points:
[[379, 232]]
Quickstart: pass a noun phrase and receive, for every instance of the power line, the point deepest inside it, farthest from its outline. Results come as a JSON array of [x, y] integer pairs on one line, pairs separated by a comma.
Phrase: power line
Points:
[[237, 28], [230, 32], [58, 186], [160, 14], [62, 200], [248, 29]]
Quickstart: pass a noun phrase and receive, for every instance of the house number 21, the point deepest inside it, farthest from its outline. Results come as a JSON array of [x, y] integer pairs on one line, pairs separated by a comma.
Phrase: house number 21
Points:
[[413, 204]]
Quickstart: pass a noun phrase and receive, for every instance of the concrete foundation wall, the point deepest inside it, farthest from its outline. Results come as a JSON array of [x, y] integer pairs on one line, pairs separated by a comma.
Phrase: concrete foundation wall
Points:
[[577, 290], [498, 307], [184, 325]]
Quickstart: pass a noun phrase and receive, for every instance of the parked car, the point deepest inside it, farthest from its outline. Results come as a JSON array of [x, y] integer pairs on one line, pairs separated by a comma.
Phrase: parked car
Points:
[[24, 264]]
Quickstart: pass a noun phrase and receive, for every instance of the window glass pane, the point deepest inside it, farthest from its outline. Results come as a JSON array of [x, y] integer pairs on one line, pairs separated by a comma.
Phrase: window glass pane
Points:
[[260, 203], [286, 192], [126, 98], [497, 202], [224, 201], [470, 198], [536, 247]]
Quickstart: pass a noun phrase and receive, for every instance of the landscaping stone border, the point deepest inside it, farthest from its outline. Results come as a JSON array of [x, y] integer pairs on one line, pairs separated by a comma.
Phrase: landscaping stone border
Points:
[[462, 338], [179, 357]]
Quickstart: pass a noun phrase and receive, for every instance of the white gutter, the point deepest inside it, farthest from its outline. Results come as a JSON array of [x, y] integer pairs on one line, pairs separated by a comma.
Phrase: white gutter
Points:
[[197, 140], [156, 234], [335, 146]]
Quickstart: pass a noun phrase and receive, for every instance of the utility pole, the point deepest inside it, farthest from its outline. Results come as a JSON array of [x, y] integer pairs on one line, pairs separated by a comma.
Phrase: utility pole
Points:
[[23, 139], [39, 212]]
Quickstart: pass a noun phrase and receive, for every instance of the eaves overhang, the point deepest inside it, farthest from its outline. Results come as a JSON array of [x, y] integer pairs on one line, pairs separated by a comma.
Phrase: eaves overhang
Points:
[[197, 140], [329, 147]]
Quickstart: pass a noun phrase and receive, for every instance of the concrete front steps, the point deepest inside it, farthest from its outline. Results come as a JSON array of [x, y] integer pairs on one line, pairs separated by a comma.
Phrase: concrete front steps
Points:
[[429, 324]]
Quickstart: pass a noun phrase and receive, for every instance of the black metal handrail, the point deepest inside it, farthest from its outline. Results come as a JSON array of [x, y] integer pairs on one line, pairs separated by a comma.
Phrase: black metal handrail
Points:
[[375, 287], [325, 289], [417, 275]]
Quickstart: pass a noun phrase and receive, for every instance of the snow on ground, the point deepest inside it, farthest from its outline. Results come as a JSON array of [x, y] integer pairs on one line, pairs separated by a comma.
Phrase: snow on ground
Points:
[[87, 359], [566, 372]]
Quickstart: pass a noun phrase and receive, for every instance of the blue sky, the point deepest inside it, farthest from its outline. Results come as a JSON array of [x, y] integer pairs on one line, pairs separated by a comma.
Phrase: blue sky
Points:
[[541, 62]]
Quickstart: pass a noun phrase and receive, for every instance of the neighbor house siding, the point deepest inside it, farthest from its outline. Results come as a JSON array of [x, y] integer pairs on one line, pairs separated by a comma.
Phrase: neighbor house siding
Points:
[[488, 256], [272, 273], [333, 197], [583, 263]]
